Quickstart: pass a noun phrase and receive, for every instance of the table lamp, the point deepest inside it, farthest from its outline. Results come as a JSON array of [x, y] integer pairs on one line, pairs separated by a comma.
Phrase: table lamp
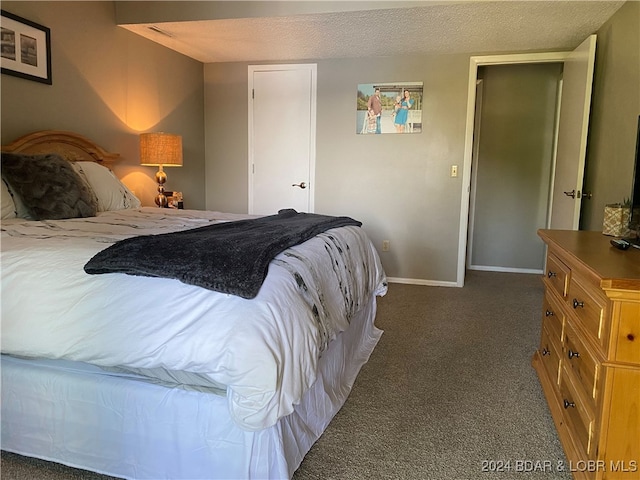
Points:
[[161, 150]]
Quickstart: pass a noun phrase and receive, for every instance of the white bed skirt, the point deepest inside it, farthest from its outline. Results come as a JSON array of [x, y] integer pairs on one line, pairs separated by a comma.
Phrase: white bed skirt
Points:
[[84, 417]]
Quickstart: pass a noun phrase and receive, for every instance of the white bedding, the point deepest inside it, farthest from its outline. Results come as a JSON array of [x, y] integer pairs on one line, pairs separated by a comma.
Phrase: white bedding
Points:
[[127, 428], [264, 350]]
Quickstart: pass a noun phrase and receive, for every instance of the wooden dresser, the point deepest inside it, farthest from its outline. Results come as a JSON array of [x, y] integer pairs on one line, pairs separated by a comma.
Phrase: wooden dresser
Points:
[[589, 357]]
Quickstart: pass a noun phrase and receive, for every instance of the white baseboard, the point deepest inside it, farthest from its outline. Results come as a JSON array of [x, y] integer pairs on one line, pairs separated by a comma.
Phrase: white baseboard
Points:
[[439, 283], [419, 281], [504, 269]]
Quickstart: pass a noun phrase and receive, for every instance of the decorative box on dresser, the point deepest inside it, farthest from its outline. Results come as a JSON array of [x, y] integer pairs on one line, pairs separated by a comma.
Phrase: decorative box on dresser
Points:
[[588, 362]]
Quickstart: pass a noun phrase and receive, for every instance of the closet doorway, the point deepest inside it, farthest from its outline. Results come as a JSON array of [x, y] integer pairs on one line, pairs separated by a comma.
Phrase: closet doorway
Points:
[[570, 138], [516, 118]]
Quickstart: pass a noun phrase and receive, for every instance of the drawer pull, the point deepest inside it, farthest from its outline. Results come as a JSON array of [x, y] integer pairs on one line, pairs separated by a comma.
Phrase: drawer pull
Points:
[[573, 354], [548, 313], [568, 404], [545, 352], [577, 304], [551, 274]]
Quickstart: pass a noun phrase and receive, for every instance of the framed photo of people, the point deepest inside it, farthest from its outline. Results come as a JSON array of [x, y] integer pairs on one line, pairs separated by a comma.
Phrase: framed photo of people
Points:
[[25, 51], [389, 108]]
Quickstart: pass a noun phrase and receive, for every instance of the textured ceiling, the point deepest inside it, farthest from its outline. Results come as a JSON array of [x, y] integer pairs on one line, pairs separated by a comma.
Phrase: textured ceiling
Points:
[[476, 27]]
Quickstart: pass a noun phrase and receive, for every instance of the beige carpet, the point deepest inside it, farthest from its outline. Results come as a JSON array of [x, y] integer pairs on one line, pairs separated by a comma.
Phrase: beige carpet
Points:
[[449, 393]]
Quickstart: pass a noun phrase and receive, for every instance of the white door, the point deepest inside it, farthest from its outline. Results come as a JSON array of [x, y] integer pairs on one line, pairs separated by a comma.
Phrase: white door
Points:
[[282, 116], [577, 78]]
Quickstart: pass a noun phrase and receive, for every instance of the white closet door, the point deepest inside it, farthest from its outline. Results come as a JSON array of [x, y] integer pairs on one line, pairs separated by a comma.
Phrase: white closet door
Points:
[[282, 110]]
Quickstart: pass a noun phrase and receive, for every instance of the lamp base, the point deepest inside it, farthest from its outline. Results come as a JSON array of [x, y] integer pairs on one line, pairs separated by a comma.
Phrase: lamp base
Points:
[[161, 199]]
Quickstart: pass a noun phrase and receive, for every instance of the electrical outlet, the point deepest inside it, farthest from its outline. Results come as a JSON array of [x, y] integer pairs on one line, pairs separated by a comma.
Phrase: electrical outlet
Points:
[[454, 170], [386, 245]]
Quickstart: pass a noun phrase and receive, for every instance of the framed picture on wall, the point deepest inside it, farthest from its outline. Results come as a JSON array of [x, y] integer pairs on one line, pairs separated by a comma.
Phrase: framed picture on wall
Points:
[[389, 108], [26, 48]]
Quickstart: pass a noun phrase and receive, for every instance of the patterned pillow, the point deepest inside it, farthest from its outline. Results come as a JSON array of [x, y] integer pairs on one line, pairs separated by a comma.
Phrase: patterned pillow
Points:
[[48, 186], [111, 193]]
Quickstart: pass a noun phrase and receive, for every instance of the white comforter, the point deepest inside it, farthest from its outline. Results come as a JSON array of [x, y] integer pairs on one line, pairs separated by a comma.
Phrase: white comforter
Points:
[[263, 350]]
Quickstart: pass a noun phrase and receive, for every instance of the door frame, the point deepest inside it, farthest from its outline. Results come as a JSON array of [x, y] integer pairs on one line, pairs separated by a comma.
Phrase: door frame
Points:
[[474, 63], [313, 69]]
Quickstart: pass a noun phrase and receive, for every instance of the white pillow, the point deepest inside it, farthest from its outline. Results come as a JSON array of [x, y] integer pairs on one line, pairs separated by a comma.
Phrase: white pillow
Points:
[[8, 206], [110, 192]]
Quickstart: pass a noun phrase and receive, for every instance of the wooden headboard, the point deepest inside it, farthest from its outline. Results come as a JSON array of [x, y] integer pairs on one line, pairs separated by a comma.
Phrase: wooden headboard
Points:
[[71, 146]]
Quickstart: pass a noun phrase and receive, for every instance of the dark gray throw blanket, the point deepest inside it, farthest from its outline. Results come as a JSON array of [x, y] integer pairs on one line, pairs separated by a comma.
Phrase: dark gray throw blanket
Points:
[[231, 257]]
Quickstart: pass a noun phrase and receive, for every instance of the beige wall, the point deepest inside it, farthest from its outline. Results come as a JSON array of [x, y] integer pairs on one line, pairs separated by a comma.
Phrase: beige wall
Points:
[[614, 115], [109, 85], [397, 185]]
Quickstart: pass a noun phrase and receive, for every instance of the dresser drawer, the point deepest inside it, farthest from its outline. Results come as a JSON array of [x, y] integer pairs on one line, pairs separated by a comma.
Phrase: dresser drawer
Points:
[[577, 414], [552, 317], [550, 351], [582, 362], [589, 309], [558, 275]]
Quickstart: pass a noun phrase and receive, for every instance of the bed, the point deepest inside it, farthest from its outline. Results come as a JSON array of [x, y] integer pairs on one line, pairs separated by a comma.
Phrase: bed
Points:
[[142, 376]]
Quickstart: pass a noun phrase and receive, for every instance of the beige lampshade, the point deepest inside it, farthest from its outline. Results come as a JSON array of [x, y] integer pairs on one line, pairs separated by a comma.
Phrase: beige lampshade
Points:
[[161, 149]]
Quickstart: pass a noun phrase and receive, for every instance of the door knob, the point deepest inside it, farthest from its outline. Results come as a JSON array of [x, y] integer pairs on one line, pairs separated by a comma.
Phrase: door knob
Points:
[[572, 193], [301, 185]]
